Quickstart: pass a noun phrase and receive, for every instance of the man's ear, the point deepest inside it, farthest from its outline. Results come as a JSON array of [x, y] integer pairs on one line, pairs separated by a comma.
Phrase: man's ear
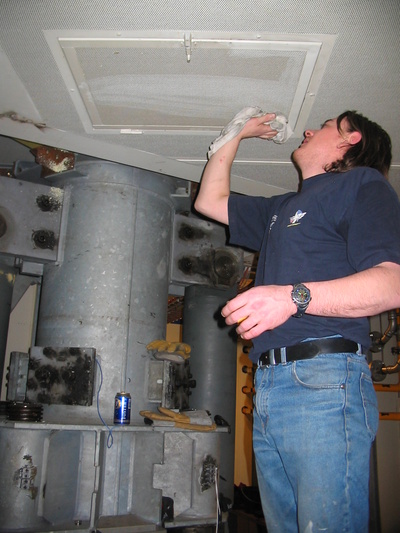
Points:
[[351, 139], [354, 137]]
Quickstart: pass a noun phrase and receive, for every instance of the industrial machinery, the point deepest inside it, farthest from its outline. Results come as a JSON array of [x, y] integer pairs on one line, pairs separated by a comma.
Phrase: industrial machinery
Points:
[[102, 245]]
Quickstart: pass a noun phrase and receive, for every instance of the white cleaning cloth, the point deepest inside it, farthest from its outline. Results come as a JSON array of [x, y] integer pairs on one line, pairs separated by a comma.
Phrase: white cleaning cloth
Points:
[[279, 123]]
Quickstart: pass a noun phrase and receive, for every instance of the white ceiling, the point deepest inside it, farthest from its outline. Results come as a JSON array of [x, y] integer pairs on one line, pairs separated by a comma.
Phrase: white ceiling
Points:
[[151, 83]]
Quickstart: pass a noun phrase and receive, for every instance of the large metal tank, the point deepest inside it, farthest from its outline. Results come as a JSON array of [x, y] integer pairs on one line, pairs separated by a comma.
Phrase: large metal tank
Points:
[[110, 290]]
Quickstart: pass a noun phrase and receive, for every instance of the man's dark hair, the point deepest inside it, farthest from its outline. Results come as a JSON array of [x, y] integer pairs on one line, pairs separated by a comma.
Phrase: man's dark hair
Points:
[[373, 150]]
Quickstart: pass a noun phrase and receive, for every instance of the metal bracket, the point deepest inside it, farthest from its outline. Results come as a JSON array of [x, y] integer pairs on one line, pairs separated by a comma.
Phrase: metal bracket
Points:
[[188, 46]]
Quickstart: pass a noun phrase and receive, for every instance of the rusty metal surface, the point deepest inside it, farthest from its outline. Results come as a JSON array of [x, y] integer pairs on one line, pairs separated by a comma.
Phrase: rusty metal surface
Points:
[[53, 160], [61, 375]]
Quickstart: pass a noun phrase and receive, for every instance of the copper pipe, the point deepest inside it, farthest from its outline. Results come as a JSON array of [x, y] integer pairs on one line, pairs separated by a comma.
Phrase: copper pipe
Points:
[[390, 330], [389, 416], [395, 387], [392, 369]]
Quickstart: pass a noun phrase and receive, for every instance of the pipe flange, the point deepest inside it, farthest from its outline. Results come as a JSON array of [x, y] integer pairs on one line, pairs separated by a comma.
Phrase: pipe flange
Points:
[[24, 411], [377, 370]]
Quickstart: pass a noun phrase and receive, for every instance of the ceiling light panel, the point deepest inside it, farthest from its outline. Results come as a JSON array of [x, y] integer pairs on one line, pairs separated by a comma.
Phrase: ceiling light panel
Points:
[[168, 82]]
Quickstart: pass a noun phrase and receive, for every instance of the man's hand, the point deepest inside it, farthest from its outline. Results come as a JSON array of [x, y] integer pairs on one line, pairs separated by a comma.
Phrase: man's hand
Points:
[[214, 191], [259, 309], [258, 127], [364, 294]]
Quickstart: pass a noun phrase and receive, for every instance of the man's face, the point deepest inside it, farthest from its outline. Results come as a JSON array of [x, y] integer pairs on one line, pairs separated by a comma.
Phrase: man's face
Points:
[[320, 148]]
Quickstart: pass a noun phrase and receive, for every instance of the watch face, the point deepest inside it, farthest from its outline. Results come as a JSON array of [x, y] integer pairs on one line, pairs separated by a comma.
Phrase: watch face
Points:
[[302, 294]]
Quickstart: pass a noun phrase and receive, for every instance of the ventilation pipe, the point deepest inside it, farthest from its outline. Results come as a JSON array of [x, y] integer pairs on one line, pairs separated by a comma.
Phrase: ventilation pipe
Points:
[[213, 363]]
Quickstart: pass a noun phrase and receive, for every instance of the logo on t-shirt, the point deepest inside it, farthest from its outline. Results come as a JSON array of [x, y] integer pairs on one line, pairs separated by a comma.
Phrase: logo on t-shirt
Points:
[[273, 220], [294, 220]]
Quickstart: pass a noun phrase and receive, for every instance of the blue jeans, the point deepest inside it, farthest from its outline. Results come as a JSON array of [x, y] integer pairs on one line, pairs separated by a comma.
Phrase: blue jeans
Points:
[[314, 423]]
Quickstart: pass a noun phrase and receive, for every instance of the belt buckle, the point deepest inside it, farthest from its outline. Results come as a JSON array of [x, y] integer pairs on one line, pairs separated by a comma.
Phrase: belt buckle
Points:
[[271, 357], [282, 356]]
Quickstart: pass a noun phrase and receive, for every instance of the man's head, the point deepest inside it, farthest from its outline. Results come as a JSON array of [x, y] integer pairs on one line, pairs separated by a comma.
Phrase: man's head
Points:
[[374, 149], [349, 141]]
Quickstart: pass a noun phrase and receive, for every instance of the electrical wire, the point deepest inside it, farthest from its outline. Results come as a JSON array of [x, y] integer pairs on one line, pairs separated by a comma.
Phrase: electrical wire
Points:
[[217, 498], [247, 497], [110, 438]]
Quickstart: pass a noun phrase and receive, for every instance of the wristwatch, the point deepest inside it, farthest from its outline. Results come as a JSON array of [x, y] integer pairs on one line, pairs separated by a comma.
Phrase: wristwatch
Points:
[[301, 296]]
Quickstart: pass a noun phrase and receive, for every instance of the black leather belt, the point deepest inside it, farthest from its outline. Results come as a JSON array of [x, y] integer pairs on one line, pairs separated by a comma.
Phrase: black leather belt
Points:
[[307, 350]]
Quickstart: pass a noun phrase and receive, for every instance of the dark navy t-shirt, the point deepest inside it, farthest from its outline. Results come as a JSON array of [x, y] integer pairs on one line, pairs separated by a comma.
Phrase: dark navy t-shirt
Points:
[[339, 224]]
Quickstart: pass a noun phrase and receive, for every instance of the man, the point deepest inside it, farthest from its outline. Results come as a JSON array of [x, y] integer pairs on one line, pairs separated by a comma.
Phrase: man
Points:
[[329, 258]]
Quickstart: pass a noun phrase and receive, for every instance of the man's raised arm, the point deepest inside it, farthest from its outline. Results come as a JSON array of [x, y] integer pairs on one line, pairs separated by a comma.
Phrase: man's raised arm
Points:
[[213, 194]]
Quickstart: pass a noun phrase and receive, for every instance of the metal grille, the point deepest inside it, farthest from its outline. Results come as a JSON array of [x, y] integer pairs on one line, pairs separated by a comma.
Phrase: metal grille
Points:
[[185, 81], [158, 88]]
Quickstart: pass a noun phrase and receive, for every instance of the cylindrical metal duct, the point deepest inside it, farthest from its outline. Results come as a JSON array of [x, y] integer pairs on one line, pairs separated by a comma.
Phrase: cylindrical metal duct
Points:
[[110, 290], [213, 365]]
